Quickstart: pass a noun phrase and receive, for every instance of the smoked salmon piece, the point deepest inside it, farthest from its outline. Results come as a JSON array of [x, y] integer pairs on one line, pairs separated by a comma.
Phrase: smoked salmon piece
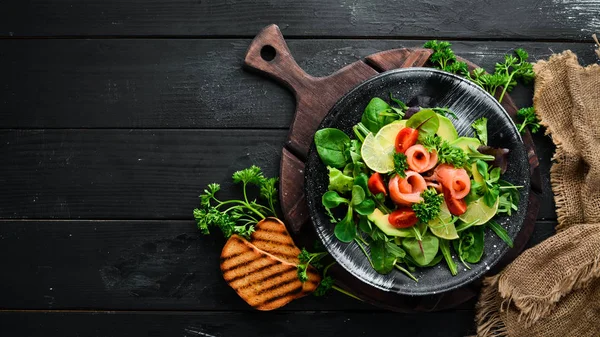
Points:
[[407, 191], [419, 159], [455, 180]]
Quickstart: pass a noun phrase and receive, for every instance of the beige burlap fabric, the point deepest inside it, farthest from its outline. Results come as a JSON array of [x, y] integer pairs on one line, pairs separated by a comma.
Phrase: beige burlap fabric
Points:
[[553, 289]]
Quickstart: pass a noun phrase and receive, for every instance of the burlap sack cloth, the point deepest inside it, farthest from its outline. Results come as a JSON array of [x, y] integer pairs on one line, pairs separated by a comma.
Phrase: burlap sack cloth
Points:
[[553, 289]]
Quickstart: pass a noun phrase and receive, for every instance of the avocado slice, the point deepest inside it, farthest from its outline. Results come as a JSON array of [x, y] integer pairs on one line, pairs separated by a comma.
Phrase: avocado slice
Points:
[[446, 130], [465, 143], [381, 220]]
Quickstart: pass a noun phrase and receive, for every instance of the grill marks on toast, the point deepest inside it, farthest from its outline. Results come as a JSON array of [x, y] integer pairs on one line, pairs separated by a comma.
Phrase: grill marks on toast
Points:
[[263, 281], [264, 271], [272, 237]]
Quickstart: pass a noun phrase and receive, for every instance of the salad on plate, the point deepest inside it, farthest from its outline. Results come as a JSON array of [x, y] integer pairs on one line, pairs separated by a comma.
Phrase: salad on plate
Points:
[[410, 192]]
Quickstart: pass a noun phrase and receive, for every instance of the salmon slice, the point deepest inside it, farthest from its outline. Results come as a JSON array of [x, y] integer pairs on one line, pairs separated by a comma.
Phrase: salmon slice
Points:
[[419, 159], [455, 180], [407, 191]]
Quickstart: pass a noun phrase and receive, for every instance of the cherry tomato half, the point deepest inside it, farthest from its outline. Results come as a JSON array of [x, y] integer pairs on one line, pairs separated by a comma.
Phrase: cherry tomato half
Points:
[[406, 138], [403, 218], [455, 206], [376, 184]]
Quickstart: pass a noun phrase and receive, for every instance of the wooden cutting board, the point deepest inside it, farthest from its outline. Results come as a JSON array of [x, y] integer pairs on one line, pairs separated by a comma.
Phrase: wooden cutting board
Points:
[[269, 55]]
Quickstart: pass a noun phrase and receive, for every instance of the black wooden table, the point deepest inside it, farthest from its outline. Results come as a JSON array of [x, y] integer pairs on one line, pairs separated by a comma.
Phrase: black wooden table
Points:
[[114, 115]]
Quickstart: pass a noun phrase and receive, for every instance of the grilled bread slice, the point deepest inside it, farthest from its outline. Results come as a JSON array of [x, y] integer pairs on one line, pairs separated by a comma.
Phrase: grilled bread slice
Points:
[[272, 237], [262, 280]]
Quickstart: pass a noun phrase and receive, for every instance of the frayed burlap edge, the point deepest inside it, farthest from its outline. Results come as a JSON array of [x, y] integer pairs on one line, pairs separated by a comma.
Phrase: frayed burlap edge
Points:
[[532, 308], [556, 180], [489, 322], [496, 297]]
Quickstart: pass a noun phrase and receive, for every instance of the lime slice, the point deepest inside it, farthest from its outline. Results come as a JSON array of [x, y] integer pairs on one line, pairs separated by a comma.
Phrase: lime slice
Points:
[[441, 226], [386, 136], [479, 213], [377, 158]]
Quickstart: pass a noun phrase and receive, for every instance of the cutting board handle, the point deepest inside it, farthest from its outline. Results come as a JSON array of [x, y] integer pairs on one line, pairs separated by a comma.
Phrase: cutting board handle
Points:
[[269, 54]]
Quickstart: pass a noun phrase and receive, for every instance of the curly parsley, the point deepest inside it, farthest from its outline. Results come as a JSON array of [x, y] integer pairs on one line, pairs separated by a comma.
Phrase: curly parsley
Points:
[[430, 207], [237, 216]]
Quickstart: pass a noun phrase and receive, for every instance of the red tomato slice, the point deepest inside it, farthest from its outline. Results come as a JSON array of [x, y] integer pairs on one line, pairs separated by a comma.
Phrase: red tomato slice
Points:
[[406, 138], [455, 206], [403, 218], [376, 185]]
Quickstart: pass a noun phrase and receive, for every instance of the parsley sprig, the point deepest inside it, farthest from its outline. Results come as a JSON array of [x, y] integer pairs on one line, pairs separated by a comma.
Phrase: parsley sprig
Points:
[[327, 282], [515, 67], [400, 164], [529, 119], [429, 208], [443, 57], [447, 154], [237, 216]]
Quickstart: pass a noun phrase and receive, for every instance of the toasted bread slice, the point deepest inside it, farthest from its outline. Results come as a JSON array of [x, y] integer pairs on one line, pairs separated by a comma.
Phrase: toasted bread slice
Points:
[[262, 280], [272, 237]]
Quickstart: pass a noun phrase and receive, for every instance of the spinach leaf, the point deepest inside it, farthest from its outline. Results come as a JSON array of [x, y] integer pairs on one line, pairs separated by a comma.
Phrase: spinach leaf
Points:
[[339, 182], [383, 260], [331, 199], [426, 122], [422, 252], [331, 145], [345, 230], [470, 245], [437, 259], [377, 114]]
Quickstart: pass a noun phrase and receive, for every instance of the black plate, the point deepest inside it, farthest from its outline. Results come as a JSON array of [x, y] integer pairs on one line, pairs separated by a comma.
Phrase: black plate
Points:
[[432, 88]]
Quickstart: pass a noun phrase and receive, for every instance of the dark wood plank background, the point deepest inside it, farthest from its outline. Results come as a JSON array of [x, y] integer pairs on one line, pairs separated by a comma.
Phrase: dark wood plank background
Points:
[[114, 115]]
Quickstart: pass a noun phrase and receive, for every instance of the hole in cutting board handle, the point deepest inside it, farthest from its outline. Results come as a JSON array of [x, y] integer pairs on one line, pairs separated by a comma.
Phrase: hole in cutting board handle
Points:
[[268, 53]]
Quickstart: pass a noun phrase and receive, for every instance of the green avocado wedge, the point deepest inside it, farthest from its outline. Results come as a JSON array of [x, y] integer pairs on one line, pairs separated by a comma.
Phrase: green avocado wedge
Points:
[[446, 130], [465, 143]]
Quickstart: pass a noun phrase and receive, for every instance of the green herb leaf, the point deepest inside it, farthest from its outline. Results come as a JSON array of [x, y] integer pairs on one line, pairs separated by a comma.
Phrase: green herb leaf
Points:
[[430, 207], [501, 232], [345, 230], [366, 207], [445, 248], [480, 127], [364, 224], [529, 118], [324, 287], [400, 164], [358, 195], [331, 199], [252, 175]]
